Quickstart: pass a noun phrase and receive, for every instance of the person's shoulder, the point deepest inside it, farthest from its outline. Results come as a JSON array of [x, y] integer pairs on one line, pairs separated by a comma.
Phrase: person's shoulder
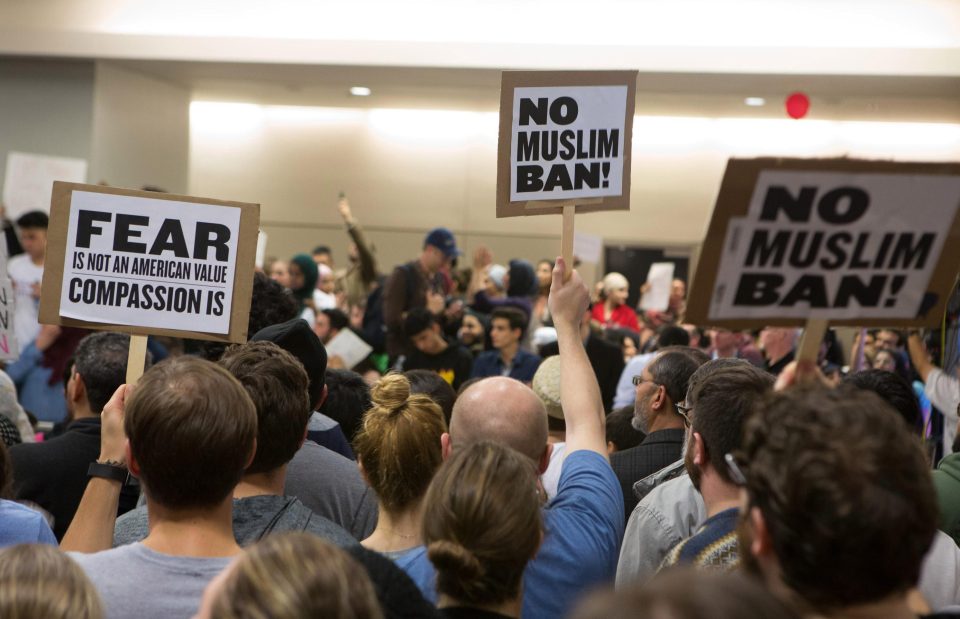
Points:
[[17, 518], [528, 356]]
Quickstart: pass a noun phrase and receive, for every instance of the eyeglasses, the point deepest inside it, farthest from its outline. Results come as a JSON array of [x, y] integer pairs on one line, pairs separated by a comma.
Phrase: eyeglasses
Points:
[[639, 380], [684, 412], [736, 473]]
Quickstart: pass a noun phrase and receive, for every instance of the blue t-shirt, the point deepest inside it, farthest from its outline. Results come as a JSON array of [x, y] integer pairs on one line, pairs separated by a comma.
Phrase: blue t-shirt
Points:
[[581, 545], [21, 525]]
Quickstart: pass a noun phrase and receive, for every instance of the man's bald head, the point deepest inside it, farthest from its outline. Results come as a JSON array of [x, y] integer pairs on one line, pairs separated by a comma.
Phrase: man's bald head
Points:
[[503, 410]]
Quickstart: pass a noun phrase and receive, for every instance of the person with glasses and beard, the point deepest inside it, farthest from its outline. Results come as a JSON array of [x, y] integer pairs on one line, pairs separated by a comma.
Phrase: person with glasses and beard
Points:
[[720, 397]]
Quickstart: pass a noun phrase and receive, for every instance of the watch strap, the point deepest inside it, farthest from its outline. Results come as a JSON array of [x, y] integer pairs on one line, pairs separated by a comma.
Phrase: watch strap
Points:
[[107, 471]]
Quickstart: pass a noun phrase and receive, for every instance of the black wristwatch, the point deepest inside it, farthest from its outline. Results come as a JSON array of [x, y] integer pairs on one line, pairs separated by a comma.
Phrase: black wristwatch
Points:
[[108, 470]]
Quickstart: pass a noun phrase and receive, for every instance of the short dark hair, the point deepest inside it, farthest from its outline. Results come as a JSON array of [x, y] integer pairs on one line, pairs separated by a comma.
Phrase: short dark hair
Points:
[[723, 394], [432, 384], [277, 383], [34, 220], [845, 491], [670, 335], [270, 304], [620, 430], [192, 428], [338, 319], [516, 318], [348, 399], [418, 320], [321, 249], [101, 361], [673, 368], [894, 390]]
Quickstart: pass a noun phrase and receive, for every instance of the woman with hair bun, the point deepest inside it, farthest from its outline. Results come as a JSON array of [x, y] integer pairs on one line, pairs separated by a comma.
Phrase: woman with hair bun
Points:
[[481, 525], [398, 450]]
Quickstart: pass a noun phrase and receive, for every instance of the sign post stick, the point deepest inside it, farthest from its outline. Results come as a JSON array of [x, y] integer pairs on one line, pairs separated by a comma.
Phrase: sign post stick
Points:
[[566, 237], [136, 358], [813, 334]]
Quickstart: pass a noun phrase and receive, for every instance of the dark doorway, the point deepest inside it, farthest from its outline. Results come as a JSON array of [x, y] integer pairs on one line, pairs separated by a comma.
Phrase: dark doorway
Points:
[[634, 263]]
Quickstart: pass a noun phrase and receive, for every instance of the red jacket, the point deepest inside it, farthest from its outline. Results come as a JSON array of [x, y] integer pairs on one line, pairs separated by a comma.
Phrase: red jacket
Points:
[[622, 317]]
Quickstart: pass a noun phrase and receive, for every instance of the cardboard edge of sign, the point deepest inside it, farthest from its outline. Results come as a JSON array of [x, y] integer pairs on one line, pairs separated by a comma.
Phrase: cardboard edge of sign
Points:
[[733, 200], [511, 80], [51, 286]]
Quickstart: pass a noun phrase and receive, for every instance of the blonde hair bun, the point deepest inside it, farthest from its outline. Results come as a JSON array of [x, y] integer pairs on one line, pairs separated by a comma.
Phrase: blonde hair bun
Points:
[[391, 392]]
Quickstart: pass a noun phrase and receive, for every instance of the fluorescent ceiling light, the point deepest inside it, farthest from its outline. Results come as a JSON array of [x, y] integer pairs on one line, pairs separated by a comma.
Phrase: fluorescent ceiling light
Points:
[[755, 101], [360, 91]]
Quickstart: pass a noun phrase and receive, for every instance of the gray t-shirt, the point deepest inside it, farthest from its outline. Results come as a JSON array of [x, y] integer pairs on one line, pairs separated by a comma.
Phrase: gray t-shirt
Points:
[[134, 581], [332, 487], [253, 518]]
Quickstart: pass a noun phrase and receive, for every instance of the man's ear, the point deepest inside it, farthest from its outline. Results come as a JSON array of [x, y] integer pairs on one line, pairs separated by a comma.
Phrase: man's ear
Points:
[[545, 459], [660, 399], [761, 544], [446, 448], [699, 450], [132, 465], [79, 391], [322, 399]]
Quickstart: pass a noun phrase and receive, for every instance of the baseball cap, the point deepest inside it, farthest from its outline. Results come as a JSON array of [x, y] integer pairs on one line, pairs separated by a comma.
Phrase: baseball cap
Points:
[[443, 239]]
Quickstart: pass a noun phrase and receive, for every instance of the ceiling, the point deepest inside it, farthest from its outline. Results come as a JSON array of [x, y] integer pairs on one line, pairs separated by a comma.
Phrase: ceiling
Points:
[[874, 98]]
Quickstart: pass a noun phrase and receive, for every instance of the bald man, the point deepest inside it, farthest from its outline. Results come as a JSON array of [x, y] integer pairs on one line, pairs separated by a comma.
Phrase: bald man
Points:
[[584, 522]]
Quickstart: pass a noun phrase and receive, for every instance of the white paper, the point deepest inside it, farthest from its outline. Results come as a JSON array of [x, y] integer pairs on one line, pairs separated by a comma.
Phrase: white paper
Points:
[[143, 283], [261, 249], [587, 247], [575, 150], [28, 182], [349, 347], [660, 279], [831, 268]]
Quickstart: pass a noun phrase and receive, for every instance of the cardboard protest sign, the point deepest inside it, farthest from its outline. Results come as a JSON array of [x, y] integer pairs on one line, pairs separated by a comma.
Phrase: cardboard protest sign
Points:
[[565, 137], [870, 243], [149, 263]]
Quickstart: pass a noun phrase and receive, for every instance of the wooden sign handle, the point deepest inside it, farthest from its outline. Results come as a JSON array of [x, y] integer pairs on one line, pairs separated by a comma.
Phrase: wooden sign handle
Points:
[[136, 358], [566, 238], [813, 334]]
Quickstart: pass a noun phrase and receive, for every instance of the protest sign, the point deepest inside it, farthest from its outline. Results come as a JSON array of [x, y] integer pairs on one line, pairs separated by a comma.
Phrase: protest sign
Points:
[[149, 263], [660, 280], [869, 243], [565, 137], [29, 178]]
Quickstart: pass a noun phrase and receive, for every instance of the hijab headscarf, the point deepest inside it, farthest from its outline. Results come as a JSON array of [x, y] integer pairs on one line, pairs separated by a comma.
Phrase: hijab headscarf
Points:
[[310, 276]]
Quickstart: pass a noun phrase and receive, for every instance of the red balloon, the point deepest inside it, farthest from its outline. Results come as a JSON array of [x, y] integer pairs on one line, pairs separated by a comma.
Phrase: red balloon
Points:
[[798, 104]]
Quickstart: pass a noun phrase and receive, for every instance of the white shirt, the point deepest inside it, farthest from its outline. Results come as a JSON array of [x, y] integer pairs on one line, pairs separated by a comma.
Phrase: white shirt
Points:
[[944, 393], [24, 274]]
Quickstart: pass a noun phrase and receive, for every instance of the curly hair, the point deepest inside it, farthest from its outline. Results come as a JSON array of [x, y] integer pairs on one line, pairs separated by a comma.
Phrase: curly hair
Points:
[[845, 491]]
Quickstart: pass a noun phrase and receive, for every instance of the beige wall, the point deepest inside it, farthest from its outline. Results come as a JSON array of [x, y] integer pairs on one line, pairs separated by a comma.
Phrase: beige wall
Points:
[[45, 108], [140, 130], [407, 171]]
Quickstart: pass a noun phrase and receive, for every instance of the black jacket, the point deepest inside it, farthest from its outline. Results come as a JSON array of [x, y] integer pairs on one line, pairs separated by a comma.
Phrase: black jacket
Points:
[[53, 474], [659, 449], [606, 358]]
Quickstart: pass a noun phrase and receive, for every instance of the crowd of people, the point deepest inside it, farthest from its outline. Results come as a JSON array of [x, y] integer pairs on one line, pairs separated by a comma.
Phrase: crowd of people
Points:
[[516, 444]]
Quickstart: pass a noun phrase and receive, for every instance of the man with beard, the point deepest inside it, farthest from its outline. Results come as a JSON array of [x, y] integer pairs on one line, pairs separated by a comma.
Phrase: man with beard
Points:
[[659, 387], [721, 396], [838, 505]]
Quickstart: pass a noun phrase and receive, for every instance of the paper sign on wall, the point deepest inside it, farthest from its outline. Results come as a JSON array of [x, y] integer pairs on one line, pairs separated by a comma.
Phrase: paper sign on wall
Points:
[[851, 242], [565, 136], [29, 179], [152, 263]]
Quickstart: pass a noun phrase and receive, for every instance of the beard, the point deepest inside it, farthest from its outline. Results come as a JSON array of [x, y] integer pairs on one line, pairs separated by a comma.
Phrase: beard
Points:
[[639, 420]]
